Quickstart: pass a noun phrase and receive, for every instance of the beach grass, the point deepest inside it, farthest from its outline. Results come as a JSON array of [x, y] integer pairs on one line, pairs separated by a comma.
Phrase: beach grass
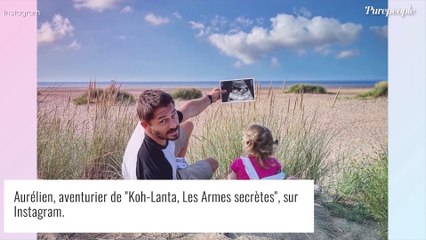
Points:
[[303, 145], [379, 90], [70, 147], [306, 88], [90, 147], [360, 190], [109, 95], [88, 142], [187, 93]]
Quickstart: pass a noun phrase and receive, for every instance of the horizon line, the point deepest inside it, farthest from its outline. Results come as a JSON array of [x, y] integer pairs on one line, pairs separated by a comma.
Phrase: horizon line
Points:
[[209, 81]]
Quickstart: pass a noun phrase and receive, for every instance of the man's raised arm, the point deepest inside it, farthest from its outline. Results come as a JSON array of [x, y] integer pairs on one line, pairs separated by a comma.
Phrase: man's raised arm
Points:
[[196, 106]]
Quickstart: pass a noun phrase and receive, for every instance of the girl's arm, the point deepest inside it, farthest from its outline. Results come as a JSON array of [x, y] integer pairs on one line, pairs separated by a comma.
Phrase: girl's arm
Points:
[[232, 176]]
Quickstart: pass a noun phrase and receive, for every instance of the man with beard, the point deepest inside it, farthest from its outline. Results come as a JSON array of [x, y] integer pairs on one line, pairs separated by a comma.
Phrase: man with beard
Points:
[[165, 139]]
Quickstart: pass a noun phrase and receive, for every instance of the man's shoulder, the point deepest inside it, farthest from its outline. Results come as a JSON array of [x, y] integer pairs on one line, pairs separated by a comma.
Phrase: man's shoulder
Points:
[[152, 163], [148, 149]]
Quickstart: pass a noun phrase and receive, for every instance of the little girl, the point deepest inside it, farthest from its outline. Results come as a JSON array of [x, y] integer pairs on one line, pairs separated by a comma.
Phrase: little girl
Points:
[[259, 162]]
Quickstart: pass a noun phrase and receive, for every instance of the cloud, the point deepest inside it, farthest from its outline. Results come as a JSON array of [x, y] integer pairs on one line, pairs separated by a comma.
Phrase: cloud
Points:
[[50, 32], [96, 5], [323, 50], [244, 21], [122, 37], [259, 21], [347, 54], [74, 45], [218, 22], [287, 32], [380, 31], [238, 64], [240, 23], [274, 62], [222, 24], [155, 20], [302, 12], [202, 30], [196, 25], [127, 9], [177, 15]]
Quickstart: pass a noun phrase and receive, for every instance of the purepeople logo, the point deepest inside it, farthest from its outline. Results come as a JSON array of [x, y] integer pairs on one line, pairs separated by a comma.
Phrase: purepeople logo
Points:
[[21, 13], [371, 10]]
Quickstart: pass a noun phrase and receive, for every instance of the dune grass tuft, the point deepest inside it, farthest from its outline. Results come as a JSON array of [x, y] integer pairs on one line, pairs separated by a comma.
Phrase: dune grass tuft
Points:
[[379, 90], [187, 93], [306, 88], [109, 95], [361, 190]]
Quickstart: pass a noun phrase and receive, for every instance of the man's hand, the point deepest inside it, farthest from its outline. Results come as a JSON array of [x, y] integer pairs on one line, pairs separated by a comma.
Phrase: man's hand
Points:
[[215, 93]]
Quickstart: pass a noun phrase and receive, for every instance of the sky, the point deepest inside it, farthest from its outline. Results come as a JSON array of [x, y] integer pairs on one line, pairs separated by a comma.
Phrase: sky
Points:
[[210, 40]]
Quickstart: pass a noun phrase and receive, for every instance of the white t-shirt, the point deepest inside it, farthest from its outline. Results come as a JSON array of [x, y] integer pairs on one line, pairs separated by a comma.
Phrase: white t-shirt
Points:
[[130, 158]]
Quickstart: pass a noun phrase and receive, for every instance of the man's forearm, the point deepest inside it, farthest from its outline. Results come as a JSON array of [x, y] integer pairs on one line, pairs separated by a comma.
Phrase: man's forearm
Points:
[[194, 107]]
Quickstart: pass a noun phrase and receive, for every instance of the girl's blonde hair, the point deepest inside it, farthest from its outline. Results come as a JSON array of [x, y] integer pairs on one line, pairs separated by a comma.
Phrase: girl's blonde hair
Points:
[[258, 141]]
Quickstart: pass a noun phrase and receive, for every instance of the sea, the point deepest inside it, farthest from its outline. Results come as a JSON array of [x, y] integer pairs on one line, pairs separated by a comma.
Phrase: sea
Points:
[[211, 84]]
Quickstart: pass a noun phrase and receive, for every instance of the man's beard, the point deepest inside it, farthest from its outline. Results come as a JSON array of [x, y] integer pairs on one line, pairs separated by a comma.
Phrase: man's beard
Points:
[[164, 136]]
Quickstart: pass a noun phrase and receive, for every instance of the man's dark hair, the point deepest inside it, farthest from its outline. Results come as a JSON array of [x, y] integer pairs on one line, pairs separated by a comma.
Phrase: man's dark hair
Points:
[[149, 101]]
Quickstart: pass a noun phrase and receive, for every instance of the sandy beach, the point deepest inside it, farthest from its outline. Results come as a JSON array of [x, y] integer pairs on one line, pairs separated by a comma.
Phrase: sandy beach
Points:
[[358, 127], [357, 124]]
